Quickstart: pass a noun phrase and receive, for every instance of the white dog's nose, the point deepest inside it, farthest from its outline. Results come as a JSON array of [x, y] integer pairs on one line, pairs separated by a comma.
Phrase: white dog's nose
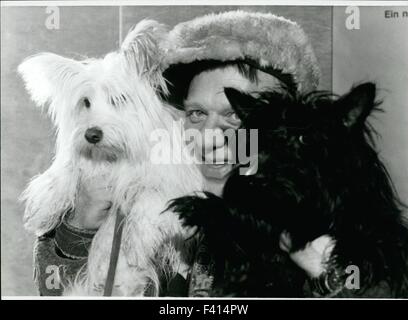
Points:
[[93, 135]]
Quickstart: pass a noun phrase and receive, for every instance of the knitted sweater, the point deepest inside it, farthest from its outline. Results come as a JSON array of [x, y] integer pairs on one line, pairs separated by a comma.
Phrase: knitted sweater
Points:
[[60, 255]]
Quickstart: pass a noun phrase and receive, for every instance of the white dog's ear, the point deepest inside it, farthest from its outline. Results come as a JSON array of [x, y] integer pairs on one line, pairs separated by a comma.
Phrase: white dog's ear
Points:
[[46, 74], [143, 48]]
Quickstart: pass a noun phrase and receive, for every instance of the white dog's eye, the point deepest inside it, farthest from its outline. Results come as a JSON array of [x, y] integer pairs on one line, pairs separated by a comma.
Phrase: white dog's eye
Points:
[[123, 98], [87, 103], [118, 100]]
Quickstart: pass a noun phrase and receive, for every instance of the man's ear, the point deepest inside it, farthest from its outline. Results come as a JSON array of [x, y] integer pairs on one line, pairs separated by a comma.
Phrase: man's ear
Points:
[[47, 74], [143, 48], [242, 103], [357, 105]]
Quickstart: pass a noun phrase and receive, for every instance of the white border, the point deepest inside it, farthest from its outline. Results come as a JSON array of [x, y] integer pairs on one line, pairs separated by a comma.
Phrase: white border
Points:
[[175, 298], [189, 3], [200, 3]]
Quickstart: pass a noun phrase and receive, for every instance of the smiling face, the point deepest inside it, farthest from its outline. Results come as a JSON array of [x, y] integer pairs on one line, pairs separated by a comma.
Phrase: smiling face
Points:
[[208, 110]]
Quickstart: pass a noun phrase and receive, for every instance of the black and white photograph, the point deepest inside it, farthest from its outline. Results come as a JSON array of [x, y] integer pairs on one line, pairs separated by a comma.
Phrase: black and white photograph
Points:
[[219, 149]]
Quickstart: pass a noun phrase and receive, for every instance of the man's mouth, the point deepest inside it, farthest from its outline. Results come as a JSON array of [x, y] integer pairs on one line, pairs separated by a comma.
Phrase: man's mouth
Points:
[[217, 165], [216, 170], [215, 162]]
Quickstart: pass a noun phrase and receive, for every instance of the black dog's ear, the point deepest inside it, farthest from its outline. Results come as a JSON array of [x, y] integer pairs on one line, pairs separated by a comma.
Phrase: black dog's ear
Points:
[[357, 105], [241, 102]]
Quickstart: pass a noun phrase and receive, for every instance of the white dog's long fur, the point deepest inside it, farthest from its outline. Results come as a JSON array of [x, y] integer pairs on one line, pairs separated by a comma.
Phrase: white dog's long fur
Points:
[[122, 90]]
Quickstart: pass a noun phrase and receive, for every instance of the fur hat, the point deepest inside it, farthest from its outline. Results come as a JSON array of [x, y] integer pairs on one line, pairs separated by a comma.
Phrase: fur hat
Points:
[[269, 41]]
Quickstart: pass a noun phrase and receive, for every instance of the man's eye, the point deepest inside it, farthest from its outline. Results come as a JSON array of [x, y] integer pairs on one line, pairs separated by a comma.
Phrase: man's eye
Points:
[[233, 117], [196, 115]]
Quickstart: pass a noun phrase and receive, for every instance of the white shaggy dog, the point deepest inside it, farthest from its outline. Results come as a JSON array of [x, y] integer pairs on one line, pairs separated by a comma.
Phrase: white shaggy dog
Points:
[[105, 111]]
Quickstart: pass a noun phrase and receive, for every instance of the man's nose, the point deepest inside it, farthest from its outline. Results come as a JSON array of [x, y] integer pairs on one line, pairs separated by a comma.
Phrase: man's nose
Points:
[[214, 138], [215, 121]]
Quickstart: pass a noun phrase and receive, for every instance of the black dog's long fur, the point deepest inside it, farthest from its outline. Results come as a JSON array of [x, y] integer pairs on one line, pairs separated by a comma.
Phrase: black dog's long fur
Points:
[[318, 173]]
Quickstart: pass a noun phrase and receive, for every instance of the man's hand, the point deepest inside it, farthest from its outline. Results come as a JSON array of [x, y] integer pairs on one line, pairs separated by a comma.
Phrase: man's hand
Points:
[[93, 204], [313, 257]]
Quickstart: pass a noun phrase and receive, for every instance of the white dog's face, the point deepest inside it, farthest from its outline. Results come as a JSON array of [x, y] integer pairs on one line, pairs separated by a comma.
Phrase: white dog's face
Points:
[[103, 112], [104, 109], [103, 124], [99, 132]]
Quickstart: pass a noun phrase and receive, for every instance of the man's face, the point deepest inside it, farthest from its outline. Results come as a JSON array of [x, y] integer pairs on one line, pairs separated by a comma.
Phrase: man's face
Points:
[[207, 108]]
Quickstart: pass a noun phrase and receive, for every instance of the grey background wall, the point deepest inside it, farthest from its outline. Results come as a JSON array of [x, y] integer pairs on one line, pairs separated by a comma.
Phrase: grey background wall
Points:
[[27, 136], [378, 52]]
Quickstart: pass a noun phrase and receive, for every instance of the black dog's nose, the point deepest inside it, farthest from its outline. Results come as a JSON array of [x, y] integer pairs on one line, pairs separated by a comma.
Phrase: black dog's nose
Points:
[[93, 135]]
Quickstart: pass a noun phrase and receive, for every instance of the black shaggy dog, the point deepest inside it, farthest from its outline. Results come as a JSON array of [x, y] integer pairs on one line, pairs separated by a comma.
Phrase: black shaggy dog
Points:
[[318, 174]]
